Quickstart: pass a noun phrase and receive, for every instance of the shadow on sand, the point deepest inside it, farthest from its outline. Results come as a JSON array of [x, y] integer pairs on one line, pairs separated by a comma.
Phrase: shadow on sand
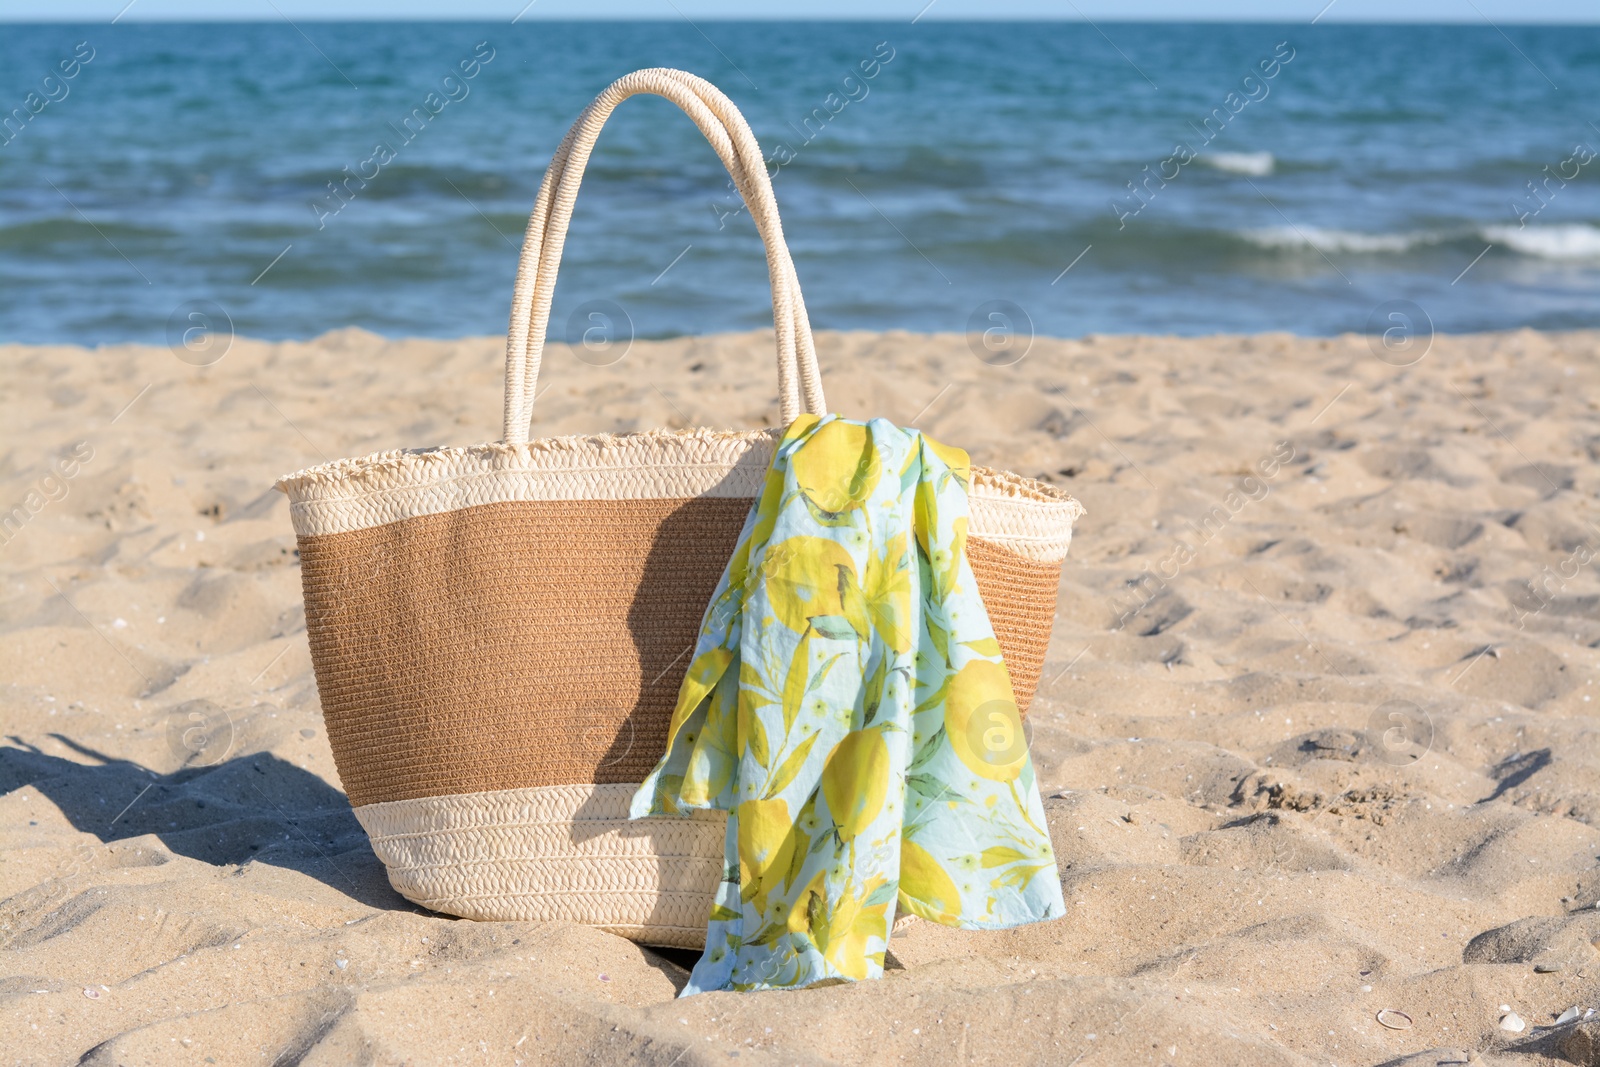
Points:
[[255, 807], [247, 808]]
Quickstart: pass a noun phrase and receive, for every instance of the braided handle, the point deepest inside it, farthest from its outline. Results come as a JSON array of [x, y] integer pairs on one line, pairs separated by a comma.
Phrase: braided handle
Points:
[[725, 128]]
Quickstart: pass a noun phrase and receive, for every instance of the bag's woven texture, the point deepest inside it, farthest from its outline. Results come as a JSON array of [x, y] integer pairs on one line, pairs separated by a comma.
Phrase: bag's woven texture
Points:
[[1020, 594], [499, 631], [563, 852], [516, 644]]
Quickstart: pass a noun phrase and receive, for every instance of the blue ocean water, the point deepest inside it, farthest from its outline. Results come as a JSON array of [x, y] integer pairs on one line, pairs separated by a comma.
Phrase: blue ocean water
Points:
[[1130, 177]]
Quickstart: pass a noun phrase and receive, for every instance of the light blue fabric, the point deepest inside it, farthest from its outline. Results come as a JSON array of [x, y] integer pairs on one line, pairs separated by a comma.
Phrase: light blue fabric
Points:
[[849, 707]]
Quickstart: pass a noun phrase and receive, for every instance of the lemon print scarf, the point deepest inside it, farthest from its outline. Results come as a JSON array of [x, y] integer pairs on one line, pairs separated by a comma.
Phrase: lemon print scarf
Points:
[[849, 708]]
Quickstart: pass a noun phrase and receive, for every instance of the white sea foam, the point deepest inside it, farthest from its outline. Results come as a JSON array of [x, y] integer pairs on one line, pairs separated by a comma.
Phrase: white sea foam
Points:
[[1254, 164], [1329, 240], [1568, 241]]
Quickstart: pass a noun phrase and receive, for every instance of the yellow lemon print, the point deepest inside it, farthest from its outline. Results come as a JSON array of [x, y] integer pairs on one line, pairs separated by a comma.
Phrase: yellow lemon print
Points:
[[804, 576], [888, 593], [982, 722], [925, 888], [810, 904], [855, 781], [710, 769], [954, 458], [851, 927], [838, 468], [927, 516], [766, 846]]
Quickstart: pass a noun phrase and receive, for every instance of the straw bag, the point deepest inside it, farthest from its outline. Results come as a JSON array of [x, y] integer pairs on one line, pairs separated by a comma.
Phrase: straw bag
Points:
[[499, 632]]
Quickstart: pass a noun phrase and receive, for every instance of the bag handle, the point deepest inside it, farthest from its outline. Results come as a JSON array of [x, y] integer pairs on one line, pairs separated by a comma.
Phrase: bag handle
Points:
[[725, 128]]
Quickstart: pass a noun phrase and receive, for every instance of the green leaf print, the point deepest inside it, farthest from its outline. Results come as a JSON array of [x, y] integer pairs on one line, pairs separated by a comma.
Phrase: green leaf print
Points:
[[834, 627], [931, 748], [881, 895], [934, 790], [872, 693], [854, 606], [934, 700], [829, 519], [940, 638]]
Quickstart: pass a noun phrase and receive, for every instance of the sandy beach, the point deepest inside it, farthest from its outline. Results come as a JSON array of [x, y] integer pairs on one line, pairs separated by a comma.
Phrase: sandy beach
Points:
[[1317, 726]]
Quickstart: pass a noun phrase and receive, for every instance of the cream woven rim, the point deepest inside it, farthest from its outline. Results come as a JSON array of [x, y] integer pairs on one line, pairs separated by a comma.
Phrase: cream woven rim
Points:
[[730, 135], [1028, 517], [554, 852]]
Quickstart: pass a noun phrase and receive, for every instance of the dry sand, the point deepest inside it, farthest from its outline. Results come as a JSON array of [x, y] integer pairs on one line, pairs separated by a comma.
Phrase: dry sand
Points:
[[1257, 858]]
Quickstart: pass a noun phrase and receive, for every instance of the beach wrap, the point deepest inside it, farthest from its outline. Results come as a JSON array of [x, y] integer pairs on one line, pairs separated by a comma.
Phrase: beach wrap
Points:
[[848, 707]]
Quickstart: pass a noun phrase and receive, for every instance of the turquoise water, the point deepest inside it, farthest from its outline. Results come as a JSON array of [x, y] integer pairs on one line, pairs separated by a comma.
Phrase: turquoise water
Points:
[[1351, 166]]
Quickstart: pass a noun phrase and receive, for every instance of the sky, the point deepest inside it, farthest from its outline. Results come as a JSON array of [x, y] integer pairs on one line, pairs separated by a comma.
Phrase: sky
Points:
[[1477, 12]]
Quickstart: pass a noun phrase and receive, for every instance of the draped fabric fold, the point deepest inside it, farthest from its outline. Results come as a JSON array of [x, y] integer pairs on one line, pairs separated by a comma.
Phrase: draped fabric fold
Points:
[[849, 707]]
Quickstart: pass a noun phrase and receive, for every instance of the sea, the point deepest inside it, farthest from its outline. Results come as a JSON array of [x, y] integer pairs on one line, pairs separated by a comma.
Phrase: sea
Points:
[[1112, 178]]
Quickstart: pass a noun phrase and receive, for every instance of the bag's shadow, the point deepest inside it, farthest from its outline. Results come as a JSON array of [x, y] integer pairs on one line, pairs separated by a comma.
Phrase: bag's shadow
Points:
[[688, 553], [249, 808]]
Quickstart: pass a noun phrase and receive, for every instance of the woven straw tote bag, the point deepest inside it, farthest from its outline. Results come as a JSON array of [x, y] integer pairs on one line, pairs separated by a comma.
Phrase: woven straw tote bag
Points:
[[499, 631]]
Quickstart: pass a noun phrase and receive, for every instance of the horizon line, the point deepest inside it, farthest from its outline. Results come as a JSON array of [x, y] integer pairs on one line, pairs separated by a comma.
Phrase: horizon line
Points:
[[837, 19], [1126, 21]]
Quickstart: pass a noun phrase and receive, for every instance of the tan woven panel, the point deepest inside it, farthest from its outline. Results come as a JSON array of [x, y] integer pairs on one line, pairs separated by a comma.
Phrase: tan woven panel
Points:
[[508, 645], [541, 643], [1020, 596]]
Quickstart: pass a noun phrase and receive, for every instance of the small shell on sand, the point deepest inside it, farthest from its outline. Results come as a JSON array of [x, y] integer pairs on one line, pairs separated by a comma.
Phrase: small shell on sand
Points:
[[91, 992], [1567, 1016], [1513, 1022], [1394, 1020]]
